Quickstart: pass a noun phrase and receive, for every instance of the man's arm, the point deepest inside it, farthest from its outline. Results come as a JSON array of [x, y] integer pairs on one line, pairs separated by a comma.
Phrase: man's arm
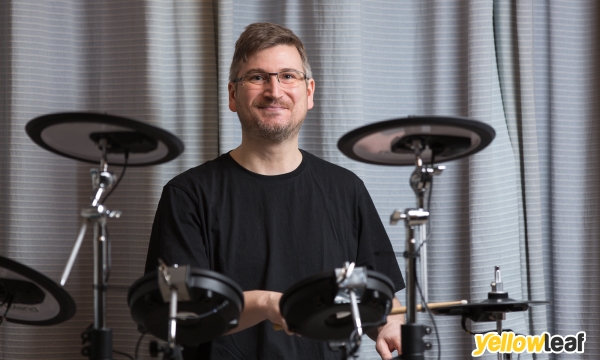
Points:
[[387, 337], [260, 305]]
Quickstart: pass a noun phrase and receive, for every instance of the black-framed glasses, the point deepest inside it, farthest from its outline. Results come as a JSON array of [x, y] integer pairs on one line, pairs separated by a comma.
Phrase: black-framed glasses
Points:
[[287, 79]]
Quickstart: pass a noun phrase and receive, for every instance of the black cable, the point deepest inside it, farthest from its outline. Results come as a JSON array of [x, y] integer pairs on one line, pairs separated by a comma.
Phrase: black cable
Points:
[[122, 353], [119, 179], [137, 346], [352, 347], [8, 303], [208, 313]]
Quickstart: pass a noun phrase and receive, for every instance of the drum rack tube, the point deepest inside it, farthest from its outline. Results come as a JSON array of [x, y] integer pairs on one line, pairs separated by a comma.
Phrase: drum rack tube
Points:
[[102, 180], [413, 346]]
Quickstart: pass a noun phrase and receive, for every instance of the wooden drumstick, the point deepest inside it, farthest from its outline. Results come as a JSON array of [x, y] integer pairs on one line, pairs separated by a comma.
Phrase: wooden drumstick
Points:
[[402, 309]]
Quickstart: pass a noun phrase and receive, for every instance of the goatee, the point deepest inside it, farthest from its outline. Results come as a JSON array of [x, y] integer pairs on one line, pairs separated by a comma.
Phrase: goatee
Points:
[[267, 132]]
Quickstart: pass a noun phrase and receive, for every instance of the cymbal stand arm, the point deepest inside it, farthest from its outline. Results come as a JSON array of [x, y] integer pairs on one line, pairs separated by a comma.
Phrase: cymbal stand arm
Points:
[[413, 346], [102, 181], [103, 143], [100, 336], [419, 179], [420, 182]]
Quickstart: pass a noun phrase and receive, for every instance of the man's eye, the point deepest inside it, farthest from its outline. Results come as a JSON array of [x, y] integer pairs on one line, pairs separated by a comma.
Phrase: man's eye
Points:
[[256, 77], [289, 76]]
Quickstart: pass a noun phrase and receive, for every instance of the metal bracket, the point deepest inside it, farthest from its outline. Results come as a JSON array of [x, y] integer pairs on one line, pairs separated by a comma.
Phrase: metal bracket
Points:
[[173, 277]]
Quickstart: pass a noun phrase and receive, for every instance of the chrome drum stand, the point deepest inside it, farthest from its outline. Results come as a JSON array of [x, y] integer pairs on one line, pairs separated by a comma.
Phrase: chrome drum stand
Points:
[[88, 137], [100, 337], [413, 346], [408, 142]]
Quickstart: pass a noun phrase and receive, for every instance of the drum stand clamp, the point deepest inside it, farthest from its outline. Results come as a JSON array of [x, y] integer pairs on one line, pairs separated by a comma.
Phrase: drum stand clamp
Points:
[[413, 346], [351, 282], [172, 282]]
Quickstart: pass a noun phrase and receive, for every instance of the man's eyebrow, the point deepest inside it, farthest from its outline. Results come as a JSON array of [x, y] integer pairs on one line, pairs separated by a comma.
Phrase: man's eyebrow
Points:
[[256, 70], [289, 69]]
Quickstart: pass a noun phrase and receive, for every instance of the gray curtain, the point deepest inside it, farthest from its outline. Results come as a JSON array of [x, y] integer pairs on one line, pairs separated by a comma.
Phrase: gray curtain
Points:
[[527, 203]]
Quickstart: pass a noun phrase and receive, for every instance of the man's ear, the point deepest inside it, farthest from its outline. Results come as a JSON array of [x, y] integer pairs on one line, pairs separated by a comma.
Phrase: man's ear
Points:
[[231, 88], [310, 91]]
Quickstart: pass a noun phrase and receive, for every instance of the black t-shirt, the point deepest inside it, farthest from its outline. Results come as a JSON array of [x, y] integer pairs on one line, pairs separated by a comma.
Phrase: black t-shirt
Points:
[[268, 233]]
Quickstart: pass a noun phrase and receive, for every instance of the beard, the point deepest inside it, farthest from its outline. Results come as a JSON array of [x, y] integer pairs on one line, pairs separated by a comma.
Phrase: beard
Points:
[[268, 132]]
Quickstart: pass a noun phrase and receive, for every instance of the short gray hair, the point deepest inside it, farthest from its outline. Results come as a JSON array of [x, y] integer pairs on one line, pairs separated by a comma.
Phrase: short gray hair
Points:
[[260, 36]]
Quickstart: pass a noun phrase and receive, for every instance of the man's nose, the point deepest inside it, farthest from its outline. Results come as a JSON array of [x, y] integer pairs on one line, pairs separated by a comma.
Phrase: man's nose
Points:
[[273, 87]]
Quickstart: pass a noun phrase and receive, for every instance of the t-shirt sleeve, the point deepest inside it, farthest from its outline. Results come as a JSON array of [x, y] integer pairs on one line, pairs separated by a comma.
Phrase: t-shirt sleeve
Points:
[[374, 247], [177, 232]]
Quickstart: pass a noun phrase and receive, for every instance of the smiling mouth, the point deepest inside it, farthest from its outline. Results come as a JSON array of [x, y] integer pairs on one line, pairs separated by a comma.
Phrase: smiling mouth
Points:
[[272, 105]]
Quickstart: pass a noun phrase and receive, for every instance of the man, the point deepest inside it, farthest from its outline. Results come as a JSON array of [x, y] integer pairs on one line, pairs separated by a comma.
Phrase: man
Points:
[[267, 214]]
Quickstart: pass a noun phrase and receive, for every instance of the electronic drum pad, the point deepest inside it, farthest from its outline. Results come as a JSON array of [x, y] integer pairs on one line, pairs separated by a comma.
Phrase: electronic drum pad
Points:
[[77, 135], [215, 305], [34, 299], [313, 308], [391, 142], [486, 309]]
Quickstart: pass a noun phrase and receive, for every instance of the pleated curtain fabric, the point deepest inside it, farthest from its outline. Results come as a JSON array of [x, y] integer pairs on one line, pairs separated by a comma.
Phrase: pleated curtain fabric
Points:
[[572, 254], [527, 203]]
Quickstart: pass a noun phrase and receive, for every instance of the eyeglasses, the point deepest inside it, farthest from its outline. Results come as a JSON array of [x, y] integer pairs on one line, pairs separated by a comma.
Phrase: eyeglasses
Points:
[[287, 79]]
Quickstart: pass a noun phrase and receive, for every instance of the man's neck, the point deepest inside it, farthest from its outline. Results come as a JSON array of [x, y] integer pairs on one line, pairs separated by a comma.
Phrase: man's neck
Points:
[[271, 159]]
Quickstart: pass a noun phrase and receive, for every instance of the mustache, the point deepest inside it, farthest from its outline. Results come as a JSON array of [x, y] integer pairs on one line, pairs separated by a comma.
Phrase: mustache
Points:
[[269, 102]]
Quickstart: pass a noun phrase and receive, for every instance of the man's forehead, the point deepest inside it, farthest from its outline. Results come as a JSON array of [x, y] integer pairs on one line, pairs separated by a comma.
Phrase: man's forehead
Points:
[[284, 57]]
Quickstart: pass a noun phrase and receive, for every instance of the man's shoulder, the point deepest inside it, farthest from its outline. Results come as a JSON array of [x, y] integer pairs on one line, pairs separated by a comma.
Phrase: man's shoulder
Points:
[[203, 174], [338, 187], [332, 172]]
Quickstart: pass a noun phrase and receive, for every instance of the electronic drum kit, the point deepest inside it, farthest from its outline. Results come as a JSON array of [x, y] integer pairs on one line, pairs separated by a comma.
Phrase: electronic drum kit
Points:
[[188, 306]]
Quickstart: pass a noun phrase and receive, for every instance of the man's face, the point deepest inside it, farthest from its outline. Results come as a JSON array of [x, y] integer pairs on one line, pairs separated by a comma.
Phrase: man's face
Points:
[[272, 113]]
